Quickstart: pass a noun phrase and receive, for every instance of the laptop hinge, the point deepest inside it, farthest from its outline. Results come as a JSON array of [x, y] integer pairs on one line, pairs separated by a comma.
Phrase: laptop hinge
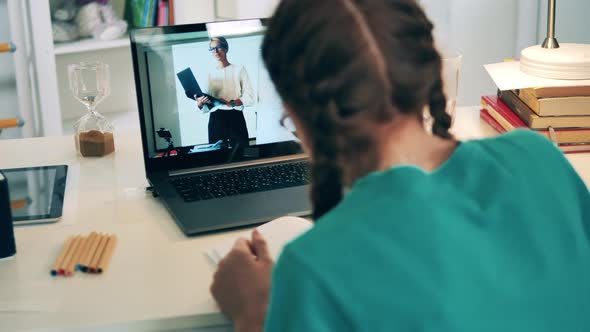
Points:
[[258, 162]]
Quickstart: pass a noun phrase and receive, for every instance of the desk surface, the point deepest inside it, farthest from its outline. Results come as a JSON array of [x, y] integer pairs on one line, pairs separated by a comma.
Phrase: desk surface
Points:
[[158, 278]]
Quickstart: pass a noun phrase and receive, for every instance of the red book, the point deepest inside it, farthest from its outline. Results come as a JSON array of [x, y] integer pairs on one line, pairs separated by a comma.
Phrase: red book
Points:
[[502, 113], [487, 118], [566, 148]]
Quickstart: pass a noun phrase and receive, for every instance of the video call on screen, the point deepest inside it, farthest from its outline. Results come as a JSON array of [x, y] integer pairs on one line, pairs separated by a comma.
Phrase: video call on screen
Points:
[[178, 124]]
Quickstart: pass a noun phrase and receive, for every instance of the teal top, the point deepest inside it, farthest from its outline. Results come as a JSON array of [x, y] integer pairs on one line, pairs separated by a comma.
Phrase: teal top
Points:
[[496, 239]]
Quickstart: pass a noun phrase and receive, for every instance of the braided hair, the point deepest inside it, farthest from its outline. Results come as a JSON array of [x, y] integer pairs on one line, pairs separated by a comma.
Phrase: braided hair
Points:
[[346, 66]]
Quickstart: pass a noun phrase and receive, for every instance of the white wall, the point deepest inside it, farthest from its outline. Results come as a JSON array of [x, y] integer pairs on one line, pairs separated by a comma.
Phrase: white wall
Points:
[[484, 31], [245, 9], [488, 31], [572, 24], [194, 11], [164, 108], [122, 96]]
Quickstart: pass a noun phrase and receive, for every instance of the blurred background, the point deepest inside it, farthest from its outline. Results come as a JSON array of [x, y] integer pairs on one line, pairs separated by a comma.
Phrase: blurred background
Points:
[[34, 83]]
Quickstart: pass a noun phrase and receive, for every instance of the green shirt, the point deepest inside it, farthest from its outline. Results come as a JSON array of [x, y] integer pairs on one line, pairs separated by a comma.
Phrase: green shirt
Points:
[[495, 239]]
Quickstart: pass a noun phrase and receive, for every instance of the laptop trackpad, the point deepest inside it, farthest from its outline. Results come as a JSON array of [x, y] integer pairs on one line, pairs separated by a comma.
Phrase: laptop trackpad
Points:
[[239, 210]]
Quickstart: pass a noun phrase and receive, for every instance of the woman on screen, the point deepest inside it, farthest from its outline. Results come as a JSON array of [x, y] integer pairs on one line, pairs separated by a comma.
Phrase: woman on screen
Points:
[[230, 84], [414, 231]]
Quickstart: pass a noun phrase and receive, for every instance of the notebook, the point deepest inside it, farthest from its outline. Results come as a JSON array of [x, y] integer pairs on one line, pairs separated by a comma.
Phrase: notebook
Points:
[[277, 233]]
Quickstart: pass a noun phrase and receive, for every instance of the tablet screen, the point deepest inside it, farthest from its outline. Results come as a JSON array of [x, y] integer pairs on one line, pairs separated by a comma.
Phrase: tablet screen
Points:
[[36, 193]]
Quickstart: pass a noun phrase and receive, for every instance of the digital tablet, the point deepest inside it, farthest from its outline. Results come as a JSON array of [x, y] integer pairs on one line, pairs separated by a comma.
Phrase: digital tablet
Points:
[[36, 193]]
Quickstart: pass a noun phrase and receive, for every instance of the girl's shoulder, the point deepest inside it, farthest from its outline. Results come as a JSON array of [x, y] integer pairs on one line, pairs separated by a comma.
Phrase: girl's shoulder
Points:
[[520, 139], [517, 146]]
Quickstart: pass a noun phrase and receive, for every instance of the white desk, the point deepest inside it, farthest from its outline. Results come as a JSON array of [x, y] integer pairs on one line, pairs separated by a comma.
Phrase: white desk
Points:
[[158, 278]]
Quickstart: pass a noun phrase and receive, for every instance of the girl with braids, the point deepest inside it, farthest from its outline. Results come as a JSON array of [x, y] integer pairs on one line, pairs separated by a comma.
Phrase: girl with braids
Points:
[[414, 231]]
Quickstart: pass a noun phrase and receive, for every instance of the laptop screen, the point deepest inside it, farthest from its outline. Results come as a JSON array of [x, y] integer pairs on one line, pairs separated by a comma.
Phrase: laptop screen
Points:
[[204, 94]]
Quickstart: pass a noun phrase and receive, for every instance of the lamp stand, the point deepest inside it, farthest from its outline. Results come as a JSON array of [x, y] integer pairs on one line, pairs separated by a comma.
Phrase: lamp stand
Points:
[[554, 60]]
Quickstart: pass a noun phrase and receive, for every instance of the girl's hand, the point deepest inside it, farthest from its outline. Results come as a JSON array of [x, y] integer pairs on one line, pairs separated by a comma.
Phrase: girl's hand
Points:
[[241, 284]]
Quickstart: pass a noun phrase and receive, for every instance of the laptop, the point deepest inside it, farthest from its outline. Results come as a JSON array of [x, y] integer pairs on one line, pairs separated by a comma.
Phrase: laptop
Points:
[[223, 169]]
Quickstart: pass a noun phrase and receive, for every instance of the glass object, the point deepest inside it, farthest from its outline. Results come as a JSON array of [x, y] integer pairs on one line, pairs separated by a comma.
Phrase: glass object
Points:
[[90, 84], [451, 68]]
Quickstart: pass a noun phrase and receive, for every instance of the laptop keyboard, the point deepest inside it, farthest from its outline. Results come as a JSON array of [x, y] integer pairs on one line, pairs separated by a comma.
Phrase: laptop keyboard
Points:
[[242, 181]]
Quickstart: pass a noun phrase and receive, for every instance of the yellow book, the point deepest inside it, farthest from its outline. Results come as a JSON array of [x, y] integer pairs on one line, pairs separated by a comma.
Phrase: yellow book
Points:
[[534, 121], [559, 91], [555, 106]]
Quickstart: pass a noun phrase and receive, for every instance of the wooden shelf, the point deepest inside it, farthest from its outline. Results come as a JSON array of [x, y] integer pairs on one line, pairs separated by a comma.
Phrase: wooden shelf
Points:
[[89, 45]]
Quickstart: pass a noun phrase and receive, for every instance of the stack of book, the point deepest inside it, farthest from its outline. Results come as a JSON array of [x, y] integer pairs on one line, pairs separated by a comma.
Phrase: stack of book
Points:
[[562, 114]]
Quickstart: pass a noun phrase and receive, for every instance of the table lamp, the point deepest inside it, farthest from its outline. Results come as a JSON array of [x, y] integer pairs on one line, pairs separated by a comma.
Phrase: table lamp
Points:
[[552, 60]]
